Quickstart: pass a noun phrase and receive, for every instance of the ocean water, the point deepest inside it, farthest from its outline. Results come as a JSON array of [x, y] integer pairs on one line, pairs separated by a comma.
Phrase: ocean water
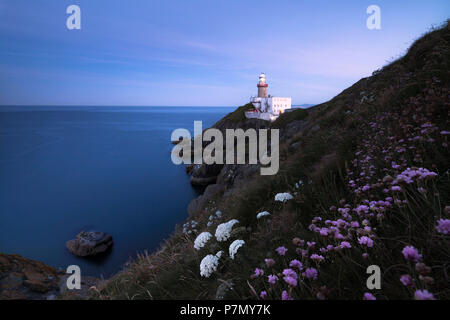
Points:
[[67, 169]]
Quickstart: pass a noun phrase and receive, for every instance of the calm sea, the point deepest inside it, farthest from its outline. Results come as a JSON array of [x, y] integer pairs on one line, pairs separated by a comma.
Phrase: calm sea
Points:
[[67, 169]]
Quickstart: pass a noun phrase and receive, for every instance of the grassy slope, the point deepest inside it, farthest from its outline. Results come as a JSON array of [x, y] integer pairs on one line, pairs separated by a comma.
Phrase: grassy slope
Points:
[[372, 131]]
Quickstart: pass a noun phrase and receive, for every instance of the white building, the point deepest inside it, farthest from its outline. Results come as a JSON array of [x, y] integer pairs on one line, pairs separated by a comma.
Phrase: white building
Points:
[[267, 107]]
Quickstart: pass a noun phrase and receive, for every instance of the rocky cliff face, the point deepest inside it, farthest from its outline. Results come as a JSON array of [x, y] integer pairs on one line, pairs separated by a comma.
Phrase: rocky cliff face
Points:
[[26, 279], [22, 278], [221, 178]]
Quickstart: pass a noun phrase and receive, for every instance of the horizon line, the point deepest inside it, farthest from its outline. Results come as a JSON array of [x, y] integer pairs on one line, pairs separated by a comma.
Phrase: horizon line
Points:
[[143, 106]]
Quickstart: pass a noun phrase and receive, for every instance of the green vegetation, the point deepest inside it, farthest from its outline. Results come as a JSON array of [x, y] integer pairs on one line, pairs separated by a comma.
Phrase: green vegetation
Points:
[[287, 117], [238, 115]]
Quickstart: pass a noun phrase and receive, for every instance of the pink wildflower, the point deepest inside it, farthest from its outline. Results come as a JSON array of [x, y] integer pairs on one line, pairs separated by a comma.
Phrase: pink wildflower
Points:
[[369, 296], [345, 245], [272, 279], [410, 253], [366, 241], [406, 280], [423, 295], [281, 251], [285, 296], [443, 226], [258, 272], [310, 273], [296, 264], [317, 257], [311, 244]]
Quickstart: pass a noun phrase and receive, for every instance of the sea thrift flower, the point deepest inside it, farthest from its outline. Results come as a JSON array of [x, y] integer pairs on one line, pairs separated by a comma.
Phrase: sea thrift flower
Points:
[[290, 273], [410, 253], [290, 281], [209, 265], [269, 262], [311, 244], [396, 188], [285, 296], [290, 277], [262, 214], [310, 273], [298, 242], [345, 245], [369, 296], [263, 294], [443, 226], [234, 247], [406, 280], [281, 251], [423, 295], [258, 273], [223, 231], [366, 241], [317, 257], [272, 279], [201, 240], [296, 264], [283, 197]]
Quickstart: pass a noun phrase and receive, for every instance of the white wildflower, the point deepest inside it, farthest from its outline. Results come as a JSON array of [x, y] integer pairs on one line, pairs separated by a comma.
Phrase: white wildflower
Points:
[[219, 214], [283, 197], [223, 231], [219, 254], [235, 246], [208, 265], [201, 240], [262, 214]]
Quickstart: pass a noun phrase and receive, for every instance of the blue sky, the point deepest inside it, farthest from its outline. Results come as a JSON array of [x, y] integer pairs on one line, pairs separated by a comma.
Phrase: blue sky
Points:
[[198, 52]]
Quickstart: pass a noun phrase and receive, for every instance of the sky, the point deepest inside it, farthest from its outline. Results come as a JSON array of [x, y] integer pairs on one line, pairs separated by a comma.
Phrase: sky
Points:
[[198, 52]]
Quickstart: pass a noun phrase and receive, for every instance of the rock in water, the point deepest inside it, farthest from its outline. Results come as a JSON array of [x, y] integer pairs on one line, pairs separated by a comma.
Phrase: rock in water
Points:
[[89, 243]]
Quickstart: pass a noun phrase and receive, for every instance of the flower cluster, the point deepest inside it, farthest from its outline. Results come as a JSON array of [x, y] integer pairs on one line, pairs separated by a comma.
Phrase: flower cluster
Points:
[[443, 226], [223, 231], [234, 247], [201, 240], [283, 197], [209, 264], [262, 214], [190, 227], [214, 217]]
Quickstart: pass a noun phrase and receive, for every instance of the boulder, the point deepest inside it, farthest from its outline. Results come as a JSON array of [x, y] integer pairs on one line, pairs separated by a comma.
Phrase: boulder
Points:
[[89, 243]]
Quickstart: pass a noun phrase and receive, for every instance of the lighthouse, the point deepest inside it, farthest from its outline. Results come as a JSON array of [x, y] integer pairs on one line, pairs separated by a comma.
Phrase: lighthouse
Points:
[[262, 86], [265, 107]]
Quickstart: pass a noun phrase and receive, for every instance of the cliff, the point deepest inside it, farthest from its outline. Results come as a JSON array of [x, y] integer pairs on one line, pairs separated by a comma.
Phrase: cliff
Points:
[[368, 174]]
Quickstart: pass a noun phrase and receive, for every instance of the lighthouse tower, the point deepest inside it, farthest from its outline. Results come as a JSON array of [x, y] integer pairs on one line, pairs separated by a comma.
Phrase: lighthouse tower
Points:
[[265, 107], [262, 86]]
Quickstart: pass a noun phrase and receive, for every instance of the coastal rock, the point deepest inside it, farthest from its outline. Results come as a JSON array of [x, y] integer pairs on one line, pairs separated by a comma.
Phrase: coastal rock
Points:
[[203, 175], [89, 243], [88, 288], [22, 278]]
